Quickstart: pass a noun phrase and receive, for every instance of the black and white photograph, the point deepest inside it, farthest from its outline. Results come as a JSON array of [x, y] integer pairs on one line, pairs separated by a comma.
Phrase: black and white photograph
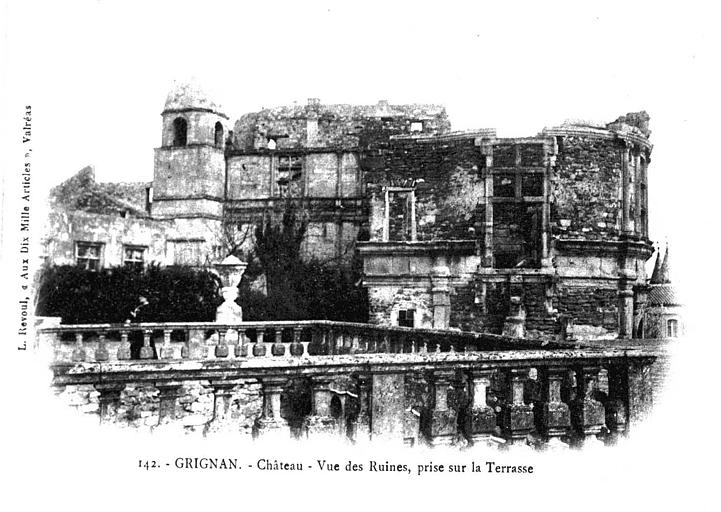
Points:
[[338, 255]]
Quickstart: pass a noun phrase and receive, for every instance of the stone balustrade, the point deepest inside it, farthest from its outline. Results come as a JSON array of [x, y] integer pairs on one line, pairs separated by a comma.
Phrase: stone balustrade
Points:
[[203, 341], [357, 381]]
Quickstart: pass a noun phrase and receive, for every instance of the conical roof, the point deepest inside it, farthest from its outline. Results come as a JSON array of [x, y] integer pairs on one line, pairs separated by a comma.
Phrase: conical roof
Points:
[[661, 271]]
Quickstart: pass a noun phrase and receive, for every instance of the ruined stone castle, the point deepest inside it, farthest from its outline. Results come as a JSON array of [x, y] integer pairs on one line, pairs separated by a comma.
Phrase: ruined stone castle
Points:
[[540, 236]]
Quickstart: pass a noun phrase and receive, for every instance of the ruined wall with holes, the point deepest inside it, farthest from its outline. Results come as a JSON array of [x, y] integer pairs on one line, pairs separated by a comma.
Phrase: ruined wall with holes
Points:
[[445, 176]]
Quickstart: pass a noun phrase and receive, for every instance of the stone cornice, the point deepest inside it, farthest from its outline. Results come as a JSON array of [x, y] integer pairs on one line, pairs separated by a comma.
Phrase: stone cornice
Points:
[[425, 247]]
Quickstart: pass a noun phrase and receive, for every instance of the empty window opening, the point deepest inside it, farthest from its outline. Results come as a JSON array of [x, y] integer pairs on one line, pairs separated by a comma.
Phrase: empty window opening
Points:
[[516, 235], [672, 328], [504, 155], [532, 185], [289, 178], [400, 215], [218, 135], [134, 257], [180, 132], [406, 317], [88, 255], [504, 185]]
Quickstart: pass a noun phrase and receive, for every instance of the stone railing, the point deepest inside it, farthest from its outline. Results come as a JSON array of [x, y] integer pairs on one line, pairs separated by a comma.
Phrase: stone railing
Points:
[[201, 341], [351, 380]]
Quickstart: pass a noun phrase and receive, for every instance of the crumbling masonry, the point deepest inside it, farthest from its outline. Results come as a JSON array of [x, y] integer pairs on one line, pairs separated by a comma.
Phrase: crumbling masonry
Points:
[[543, 236]]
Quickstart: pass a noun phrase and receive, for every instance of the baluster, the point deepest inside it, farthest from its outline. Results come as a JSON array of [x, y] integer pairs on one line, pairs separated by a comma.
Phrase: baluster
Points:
[[101, 354], [168, 394], [146, 351], [482, 418], [167, 351], [277, 348], [124, 348], [259, 348], [108, 400], [241, 349], [185, 349], [441, 428], [270, 421], [386, 341], [413, 346], [320, 422], [555, 415], [587, 413], [355, 343], [79, 352], [296, 348], [616, 410], [518, 421], [222, 395], [221, 349], [363, 422]]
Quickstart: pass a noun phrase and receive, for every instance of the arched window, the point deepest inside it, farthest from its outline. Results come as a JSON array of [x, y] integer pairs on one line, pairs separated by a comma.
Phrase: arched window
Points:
[[180, 132], [672, 328], [218, 135]]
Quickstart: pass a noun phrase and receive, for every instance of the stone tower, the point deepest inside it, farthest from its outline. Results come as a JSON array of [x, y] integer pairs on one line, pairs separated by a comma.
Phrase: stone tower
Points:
[[189, 175]]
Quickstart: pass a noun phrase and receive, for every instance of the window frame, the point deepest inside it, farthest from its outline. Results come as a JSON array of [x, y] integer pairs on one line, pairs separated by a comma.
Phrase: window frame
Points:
[[84, 260], [131, 262], [672, 328]]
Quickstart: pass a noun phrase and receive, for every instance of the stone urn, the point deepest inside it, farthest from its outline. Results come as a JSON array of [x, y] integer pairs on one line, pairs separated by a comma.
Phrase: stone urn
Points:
[[230, 271]]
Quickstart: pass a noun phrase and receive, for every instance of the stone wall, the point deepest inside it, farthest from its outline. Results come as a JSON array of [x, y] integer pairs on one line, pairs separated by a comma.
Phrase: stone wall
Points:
[[586, 197], [65, 228], [445, 176]]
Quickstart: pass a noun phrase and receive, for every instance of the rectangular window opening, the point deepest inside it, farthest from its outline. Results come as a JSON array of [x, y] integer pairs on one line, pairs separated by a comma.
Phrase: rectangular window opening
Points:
[[88, 255], [400, 215], [406, 317], [134, 256]]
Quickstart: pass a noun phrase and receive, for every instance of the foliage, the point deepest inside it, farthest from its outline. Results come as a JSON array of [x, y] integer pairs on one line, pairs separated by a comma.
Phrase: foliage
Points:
[[173, 294]]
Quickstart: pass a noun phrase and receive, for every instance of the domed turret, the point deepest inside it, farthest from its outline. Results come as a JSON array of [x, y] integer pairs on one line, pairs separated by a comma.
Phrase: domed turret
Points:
[[190, 96], [190, 163]]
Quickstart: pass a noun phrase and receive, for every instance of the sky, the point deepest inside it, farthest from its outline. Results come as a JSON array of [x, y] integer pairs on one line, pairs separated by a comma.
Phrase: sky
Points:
[[97, 73]]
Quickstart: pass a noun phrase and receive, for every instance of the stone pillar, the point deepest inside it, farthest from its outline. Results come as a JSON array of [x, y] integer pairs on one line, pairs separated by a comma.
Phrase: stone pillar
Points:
[[515, 323], [616, 410], [441, 426], [230, 271], [587, 413], [487, 259], [146, 351], [363, 423], [222, 421], [108, 400], [79, 354], [626, 196], [518, 420], [270, 422], [625, 304], [320, 423], [166, 351], [482, 418], [388, 407], [169, 392], [101, 353], [440, 293], [555, 420], [124, 347]]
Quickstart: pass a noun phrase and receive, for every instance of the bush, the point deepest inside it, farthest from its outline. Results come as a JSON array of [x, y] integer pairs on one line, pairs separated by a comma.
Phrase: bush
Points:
[[174, 294]]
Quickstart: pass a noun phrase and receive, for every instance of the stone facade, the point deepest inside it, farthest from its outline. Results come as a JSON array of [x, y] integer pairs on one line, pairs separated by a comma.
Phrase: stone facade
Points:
[[459, 230]]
